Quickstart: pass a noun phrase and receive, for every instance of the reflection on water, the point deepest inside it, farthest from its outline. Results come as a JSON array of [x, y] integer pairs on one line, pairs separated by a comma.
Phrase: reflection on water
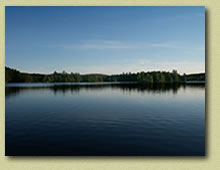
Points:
[[66, 88], [105, 119]]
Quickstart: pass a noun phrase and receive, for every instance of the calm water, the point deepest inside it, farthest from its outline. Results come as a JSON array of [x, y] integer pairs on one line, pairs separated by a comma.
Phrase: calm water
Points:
[[104, 119]]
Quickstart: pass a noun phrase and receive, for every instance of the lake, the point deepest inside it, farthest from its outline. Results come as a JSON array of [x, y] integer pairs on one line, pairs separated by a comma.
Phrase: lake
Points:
[[104, 119]]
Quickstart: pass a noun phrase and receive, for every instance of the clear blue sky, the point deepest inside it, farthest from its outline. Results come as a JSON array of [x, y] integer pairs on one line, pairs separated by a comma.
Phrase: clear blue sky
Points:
[[105, 39]]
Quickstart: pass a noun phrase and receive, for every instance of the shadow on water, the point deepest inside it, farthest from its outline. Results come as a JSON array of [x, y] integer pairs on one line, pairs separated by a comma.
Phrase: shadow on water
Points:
[[75, 88], [90, 125]]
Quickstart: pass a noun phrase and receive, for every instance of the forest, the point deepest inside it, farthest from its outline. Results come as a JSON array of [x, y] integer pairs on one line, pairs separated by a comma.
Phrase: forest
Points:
[[13, 75]]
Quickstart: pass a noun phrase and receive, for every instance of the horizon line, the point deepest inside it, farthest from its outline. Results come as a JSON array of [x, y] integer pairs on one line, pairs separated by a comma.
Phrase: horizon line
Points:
[[27, 72]]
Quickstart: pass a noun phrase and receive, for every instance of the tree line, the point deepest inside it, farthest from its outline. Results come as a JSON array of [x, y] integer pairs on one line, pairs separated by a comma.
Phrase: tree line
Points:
[[12, 75]]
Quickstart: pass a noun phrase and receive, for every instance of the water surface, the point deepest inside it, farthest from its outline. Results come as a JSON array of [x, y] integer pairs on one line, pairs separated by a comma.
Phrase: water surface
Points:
[[104, 119]]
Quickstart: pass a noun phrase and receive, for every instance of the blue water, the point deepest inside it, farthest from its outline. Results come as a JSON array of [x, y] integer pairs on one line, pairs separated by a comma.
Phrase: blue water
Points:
[[104, 119]]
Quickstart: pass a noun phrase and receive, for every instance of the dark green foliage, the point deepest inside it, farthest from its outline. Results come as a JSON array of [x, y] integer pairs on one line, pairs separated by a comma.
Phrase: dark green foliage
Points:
[[12, 75], [155, 77], [145, 77], [195, 77]]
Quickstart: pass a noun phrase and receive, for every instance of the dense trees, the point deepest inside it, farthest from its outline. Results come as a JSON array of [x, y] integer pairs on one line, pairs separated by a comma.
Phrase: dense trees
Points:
[[195, 77], [12, 75], [158, 77]]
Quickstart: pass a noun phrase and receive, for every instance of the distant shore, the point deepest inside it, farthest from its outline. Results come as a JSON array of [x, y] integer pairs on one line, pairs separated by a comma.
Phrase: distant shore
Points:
[[153, 77]]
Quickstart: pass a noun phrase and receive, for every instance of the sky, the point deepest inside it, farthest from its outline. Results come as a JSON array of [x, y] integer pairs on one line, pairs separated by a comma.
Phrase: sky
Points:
[[108, 40]]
